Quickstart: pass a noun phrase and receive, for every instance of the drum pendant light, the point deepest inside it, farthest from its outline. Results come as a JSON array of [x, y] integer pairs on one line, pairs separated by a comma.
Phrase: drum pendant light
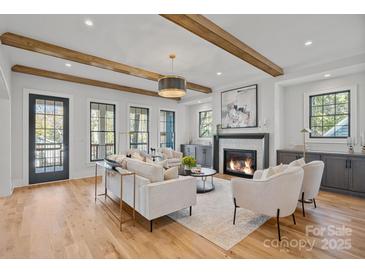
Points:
[[172, 86]]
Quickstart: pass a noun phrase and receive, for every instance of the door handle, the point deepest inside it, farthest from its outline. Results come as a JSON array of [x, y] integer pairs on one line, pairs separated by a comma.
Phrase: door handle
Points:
[[346, 164], [350, 164]]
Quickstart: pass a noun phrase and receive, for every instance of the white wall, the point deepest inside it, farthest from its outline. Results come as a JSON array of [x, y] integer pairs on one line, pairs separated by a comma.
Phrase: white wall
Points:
[[5, 138], [78, 133], [294, 107], [193, 111]]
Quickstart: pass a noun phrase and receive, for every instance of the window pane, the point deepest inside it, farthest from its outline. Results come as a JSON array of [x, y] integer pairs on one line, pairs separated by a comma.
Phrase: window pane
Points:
[[39, 121], [50, 107], [342, 109], [49, 121], [59, 108], [317, 111], [317, 100], [316, 121], [58, 122], [329, 99], [328, 121], [329, 110], [342, 98], [205, 124], [39, 106]]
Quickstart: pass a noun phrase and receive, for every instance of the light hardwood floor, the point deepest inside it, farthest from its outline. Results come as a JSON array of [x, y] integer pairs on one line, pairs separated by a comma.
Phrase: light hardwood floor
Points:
[[61, 220]]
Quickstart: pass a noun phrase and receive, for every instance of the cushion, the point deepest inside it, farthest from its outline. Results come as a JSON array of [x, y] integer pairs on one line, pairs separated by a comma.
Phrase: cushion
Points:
[[152, 172], [268, 173], [279, 168], [136, 155], [171, 173], [167, 153], [300, 162]]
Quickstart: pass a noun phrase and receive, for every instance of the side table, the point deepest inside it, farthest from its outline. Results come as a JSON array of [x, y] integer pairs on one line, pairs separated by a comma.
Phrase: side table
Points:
[[122, 173]]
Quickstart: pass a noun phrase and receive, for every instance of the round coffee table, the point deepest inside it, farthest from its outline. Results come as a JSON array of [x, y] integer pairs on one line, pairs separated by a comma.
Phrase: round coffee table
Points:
[[202, 187]]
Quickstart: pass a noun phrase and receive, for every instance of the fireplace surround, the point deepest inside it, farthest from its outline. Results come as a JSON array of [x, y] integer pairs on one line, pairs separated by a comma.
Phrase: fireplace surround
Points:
[[239, 162], [238, 141]]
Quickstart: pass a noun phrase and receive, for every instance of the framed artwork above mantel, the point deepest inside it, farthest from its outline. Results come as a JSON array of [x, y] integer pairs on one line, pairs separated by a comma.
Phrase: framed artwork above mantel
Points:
[[239, 107]]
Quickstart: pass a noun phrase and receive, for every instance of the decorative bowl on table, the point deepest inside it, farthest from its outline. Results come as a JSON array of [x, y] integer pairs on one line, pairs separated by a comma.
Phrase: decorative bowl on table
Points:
[[196, 170]]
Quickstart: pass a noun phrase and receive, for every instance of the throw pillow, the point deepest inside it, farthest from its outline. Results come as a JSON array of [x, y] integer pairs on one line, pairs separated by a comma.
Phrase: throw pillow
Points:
[[137, 156], [268, 173], [278, 169], [167, 153], [171, 173], [300, 162]]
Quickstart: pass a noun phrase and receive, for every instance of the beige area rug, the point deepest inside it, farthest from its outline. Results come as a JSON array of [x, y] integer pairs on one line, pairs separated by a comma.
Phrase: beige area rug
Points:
[[213, 216]]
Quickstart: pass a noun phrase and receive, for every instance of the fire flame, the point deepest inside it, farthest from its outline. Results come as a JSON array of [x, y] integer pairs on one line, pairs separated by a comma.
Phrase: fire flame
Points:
[[246, 167]]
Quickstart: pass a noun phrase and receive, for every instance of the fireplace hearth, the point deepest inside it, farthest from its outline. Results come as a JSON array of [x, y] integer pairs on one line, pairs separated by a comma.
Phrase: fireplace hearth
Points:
[[239, 162]]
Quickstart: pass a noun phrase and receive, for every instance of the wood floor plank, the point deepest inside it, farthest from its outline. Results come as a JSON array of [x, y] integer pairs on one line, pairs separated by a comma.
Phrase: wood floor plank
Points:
[[61, 220]]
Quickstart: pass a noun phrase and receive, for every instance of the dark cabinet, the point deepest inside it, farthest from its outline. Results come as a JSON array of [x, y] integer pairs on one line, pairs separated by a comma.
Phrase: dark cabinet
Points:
[[336, 173], [203, 154], [357, 168], [342, 172]]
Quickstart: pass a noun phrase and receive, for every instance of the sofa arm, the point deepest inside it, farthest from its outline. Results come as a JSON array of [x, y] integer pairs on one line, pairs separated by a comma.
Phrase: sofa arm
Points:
[[169, 196]]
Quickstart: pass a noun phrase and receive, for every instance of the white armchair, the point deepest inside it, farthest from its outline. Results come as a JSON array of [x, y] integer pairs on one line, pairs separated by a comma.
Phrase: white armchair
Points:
[[172, 157], [313, 172], [274, 196]]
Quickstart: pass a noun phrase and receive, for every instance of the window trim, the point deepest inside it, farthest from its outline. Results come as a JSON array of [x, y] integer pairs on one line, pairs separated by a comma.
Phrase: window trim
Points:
[[352, 114], [199, 122], [348, 114], [116, 126], [159, 130], [148, 124]]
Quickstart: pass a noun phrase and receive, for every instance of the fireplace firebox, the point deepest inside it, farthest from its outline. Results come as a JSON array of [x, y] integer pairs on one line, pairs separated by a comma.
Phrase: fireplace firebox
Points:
[[239, 162]]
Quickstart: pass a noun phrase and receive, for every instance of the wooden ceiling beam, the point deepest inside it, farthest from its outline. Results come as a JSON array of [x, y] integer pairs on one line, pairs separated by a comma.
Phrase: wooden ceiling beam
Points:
[[85, 81], [22, 42], [214, 34]]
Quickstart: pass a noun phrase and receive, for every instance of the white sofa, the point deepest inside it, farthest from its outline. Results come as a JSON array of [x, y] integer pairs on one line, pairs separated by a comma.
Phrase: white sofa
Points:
[[172, 157], [155, 197], [275, 196]]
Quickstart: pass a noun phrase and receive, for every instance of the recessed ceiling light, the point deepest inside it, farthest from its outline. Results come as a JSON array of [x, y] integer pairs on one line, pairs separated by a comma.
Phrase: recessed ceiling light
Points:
[[327, 75], [68, 65], [219, 73], [88, 22], [308, 43], [199, 102]]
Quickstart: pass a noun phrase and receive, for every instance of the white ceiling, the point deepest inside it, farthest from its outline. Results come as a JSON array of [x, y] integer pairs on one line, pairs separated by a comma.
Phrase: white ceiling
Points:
[[146, 40]]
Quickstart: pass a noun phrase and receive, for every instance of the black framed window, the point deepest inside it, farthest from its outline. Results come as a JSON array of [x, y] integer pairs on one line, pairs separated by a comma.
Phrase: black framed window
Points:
[[139, 128], [167, 129], [329, 115], [205, 124], [102, 130]]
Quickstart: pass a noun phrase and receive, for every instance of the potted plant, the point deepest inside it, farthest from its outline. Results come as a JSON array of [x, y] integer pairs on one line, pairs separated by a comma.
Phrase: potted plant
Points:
[[188, 162]]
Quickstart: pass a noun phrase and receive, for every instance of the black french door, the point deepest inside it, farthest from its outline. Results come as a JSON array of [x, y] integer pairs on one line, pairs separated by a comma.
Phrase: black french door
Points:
[[48, 138]]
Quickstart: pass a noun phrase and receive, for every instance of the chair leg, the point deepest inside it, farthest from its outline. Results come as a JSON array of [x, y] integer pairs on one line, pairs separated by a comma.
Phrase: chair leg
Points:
[[314, 201], [303, 204], [151, 225], [278, 223], [234, 213], [294, 219], [190, 210]]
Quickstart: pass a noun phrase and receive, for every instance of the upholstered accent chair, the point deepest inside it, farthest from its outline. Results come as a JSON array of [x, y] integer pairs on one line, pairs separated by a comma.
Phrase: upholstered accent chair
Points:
[[313, 172], [275, 196], [172, 157]]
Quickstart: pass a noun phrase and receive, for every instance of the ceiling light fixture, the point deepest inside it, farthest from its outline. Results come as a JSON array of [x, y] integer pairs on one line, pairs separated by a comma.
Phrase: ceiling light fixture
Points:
[[308, 43], [68, 65], [327, 75], [89, 23], [219, 73], [172, 86]]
